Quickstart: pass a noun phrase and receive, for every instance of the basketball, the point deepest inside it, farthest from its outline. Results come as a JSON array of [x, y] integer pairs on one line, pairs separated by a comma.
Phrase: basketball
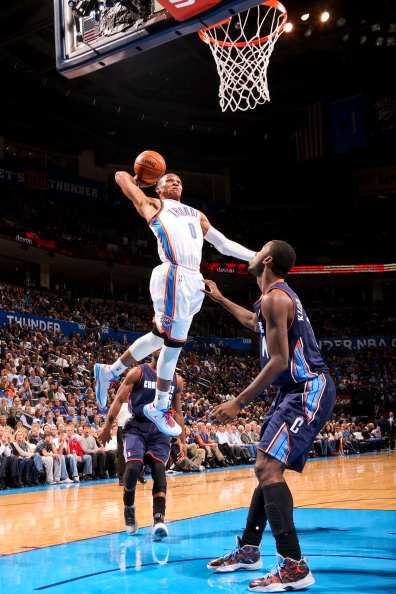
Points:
[[149, 167]]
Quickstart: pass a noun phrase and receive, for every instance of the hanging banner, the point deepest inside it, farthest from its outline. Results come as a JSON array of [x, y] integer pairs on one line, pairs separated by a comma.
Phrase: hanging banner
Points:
[[376, 181], [347, 119]]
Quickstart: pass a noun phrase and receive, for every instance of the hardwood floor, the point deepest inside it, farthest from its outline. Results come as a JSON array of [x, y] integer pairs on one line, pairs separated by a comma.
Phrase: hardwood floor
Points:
[[56, 515]]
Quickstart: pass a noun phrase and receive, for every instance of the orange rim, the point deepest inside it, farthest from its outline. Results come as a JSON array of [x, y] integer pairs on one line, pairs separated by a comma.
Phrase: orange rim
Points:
[[206, 38]]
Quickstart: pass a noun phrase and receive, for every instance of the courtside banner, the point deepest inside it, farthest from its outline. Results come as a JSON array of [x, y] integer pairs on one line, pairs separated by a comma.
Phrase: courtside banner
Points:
[[41, 324], [236, 344], [358, 344]]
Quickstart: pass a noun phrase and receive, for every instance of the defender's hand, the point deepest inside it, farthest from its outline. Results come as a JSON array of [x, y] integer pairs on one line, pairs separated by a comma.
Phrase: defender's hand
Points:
[[212, 290], [226, 411], [105, 435]]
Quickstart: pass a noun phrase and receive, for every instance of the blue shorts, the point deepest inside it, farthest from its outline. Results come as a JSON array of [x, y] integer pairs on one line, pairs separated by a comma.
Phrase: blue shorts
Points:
[[142, 438], [295, 418]]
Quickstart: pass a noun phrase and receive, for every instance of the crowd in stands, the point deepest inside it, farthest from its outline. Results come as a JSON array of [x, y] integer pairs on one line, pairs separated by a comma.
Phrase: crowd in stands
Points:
[[137, 316], [49, 418], [336, 240]]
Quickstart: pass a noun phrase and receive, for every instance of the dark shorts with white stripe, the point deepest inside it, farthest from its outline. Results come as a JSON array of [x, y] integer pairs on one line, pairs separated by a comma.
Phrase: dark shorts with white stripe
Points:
[[142, 438], [296, 416]]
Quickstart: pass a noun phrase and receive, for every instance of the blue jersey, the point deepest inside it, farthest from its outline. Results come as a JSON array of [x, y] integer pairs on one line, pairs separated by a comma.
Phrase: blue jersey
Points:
[[144, 392], [305, 360]]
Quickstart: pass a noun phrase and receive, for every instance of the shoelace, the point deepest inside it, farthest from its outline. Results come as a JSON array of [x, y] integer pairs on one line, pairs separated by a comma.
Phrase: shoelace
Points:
[[232, 554], [275, 571], [168, 417]]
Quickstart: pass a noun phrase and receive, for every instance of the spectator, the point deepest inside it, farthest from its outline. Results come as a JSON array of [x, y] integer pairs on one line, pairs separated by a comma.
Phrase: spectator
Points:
[[77, 456], [89, 446], [50, 458], [28, 470], [8, 461], [214, 457]]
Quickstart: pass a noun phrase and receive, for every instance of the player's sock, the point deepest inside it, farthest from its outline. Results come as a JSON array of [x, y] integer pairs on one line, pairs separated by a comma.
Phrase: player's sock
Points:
[[279, 509], [129, 497], [159, 506], [166, 366], [161, 400], [117, 368], [256, 520]]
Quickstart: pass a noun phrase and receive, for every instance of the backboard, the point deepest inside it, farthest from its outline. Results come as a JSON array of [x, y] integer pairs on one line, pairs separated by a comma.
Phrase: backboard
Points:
[[93, 34]]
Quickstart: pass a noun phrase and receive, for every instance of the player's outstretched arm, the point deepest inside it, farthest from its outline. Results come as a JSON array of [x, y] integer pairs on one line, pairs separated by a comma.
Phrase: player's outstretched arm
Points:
[[275, 309], [246, 317], [146, 207], [222, 244]]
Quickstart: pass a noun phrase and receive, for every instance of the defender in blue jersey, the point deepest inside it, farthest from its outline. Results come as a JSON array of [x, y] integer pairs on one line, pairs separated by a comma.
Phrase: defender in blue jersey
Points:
[[144, 443], [291, 360]]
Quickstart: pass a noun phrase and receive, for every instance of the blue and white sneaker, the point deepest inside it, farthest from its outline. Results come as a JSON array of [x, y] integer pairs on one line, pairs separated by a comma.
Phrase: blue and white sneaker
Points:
[[103, 376], [163, 419]]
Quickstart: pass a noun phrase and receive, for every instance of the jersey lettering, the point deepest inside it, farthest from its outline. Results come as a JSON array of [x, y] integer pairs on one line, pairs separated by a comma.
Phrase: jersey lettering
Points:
[[264, 348], [151, 385], [192, 231], [296, 425]]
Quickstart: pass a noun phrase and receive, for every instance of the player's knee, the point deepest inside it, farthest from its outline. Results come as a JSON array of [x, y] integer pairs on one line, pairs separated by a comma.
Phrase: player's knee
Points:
[[159, 477], [167, 362], [267, 469], [132, 470]]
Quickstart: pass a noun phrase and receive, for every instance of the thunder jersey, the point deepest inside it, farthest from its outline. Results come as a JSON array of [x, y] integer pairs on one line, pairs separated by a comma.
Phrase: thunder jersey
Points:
[[305, 360], [177, 228], [144, 392]]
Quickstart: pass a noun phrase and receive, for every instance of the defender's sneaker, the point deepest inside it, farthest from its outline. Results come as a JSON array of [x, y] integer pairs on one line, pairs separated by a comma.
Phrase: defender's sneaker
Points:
[[247, 557], [103, 377], [163, 419], [159, 529], [287, 574], [131, 525]]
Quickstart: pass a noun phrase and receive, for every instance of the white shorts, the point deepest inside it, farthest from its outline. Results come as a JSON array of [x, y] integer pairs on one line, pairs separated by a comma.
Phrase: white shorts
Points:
[[177, 297]]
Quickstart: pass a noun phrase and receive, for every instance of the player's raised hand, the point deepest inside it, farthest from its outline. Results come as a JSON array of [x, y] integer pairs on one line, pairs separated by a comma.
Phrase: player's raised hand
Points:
[[212, 290], [141, 184], [226, 411]]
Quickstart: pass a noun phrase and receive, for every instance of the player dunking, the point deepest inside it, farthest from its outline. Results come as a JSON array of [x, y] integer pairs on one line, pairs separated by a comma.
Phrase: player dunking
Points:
[[143, 442], [290, 359], [175, 287]]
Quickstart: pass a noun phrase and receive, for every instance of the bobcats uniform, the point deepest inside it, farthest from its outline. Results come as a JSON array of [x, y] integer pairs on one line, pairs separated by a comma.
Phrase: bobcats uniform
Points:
[[306, 393], [141, 435], [175, 284]]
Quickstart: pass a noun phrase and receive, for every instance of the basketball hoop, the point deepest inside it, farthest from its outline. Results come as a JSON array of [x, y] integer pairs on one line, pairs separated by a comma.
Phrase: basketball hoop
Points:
[[242, 46]]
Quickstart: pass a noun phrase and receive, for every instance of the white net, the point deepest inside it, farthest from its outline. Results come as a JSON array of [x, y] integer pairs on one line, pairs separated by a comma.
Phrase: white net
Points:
[[242, 46]]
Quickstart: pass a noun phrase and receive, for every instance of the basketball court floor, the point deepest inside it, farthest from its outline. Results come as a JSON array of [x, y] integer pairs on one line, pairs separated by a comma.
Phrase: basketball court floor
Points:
[[70, 538]]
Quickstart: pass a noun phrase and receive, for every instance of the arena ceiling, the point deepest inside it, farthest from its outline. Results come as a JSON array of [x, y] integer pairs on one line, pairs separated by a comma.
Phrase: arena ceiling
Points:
[[166, 98]]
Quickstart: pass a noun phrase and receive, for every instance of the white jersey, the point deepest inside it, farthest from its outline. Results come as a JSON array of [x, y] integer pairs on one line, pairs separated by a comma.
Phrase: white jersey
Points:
[[177, 228]]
